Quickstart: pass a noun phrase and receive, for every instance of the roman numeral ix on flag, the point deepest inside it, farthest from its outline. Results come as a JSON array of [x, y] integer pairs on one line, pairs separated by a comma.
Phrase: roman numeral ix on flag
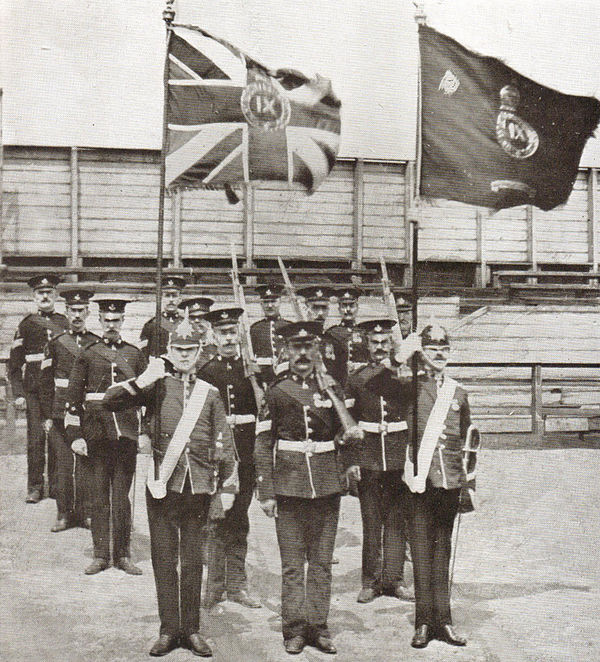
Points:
[[231, 120]]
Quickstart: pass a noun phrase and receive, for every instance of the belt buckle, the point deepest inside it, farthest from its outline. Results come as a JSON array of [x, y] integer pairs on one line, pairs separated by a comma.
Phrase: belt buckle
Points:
[[309, 447], [383, 427]]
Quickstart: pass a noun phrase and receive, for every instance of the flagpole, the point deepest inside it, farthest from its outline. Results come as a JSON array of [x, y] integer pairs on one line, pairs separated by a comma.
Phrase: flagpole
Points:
[[168, 16]]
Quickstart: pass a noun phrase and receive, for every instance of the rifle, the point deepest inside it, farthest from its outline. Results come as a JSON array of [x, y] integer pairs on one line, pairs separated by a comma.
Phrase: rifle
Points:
[[248, 358], [324, 380], [301, 313], [390, 301]]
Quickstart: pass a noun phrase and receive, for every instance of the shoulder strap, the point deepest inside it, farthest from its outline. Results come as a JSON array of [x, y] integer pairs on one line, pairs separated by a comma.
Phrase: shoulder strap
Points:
[[431, 434], [47, 323], [184, 428], [113, 357], [69, 343]]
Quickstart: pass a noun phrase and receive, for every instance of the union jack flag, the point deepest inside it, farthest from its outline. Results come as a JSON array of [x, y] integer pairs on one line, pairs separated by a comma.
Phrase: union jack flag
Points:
[[232, 120]]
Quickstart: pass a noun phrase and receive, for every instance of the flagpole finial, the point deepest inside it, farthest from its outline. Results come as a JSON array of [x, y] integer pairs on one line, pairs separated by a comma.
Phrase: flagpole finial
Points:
[[420, 16], [169, 13]]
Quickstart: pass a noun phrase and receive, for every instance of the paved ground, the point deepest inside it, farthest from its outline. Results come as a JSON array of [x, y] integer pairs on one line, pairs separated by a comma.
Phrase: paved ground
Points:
[[527, 579]]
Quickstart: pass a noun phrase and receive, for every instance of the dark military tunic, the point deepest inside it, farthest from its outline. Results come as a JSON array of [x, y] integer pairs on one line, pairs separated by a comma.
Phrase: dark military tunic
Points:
[[267, 345], [27, 350], [72, 489], [297, 424], [229, 543], [344, 350], [432, 511], [206, 467], [381, 413], [111, 437], [168, 322]]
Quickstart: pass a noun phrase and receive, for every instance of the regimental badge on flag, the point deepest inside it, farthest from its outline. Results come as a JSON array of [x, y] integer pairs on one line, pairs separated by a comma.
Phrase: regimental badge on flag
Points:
[[493, 137], [231, 120]]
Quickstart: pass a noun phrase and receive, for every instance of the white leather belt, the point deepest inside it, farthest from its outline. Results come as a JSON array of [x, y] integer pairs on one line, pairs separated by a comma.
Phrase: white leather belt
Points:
[[63, 382], [33, 358], [94, 396], [382, 428], [264, 360], [240, 419], [306, 446]]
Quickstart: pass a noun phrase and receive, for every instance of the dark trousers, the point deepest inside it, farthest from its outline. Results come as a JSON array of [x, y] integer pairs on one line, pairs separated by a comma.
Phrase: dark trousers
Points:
[[73, 494], [306, 530], [36, 448], [175, 538], [110, 483], [431, 522], [228, 543], [383, 497]]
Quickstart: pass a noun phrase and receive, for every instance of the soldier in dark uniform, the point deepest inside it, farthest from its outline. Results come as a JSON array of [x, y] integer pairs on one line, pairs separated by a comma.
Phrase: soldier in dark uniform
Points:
[[317, 299], [229, 536], [171, 295], [346, 339], [196, 307], [27, 349], [381, 414], [197, 460], [404, 310], [108, 439], [435, 490], [266, 341], [298, 479], [72, 489]]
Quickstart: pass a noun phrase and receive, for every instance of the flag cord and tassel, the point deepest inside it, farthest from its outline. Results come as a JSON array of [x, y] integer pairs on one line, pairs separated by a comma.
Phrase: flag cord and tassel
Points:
[[168, 17]]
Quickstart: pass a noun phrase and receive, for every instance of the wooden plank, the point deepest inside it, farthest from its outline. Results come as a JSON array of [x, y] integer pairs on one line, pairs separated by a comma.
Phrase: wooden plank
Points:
[[358, 213], [120, 179], [593, 219], [248, 223], [176, 203], [31, 191], [74, 207], [338, 206]]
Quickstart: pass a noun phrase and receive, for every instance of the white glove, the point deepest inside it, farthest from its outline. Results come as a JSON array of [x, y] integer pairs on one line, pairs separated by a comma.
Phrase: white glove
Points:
[[269, 507], [410, 345], [20, 403], [227, 500], [47, 425], [79, 446], [144, 444], [154, 372], [353, 472]]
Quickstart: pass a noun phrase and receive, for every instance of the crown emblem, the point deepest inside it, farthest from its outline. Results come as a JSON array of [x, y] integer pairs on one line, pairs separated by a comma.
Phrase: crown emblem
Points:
[[319, 293], [378, 328], [184, 328], [112, 306], [44, 281], [224, 315], [437, 333], [303, 332]]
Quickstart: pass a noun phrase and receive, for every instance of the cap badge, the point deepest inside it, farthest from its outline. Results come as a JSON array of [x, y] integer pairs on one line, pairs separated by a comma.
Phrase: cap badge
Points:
[[437, 333]]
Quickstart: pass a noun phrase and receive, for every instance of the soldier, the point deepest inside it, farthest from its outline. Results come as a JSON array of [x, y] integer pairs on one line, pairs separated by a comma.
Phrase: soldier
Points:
[[317, 300], [346, 340], [404, 310], [266, 341], [443, 422], [72, 489], [196, 307], [196, 460], [27, 349], [299, 484], [171, 295], [109, 440], [381, 414], [229, 536]]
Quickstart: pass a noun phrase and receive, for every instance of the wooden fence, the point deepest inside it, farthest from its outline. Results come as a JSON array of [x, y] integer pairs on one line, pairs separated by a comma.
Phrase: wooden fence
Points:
[[80, 203]]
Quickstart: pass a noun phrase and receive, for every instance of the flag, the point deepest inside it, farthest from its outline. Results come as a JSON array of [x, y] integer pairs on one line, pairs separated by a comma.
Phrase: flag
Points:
[[493, 137], [231, 120]]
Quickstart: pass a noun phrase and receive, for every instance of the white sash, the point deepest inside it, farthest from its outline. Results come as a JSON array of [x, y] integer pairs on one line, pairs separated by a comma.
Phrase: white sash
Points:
[[431, 434], [189, 418]]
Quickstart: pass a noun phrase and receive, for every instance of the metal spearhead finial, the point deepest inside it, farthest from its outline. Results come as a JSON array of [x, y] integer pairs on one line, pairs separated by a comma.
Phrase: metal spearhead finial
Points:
[[169, 13]]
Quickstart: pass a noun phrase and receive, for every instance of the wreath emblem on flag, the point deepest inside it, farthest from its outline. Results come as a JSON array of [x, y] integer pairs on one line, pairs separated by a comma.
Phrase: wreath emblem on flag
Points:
[[516, 137], [264, 107]]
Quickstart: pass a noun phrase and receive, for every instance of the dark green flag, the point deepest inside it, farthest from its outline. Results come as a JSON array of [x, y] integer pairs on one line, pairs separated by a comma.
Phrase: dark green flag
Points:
[[493, 137]]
